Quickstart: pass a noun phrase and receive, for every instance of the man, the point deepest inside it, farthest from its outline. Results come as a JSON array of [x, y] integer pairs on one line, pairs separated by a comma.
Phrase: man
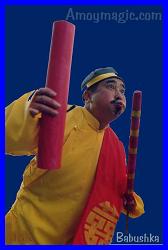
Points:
[[55, 207]]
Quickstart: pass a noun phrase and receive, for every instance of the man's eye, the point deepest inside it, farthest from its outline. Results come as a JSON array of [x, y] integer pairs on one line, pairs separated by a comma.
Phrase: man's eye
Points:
[[110, 86], [122, 91]]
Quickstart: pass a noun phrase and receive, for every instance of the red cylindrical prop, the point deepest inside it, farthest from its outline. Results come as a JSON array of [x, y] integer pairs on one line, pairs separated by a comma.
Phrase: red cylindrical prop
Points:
[[51, 134], [133, 139]]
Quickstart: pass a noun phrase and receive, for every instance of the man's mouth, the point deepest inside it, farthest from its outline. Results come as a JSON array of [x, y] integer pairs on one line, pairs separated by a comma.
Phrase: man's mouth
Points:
[[118, 106], [117, 103]]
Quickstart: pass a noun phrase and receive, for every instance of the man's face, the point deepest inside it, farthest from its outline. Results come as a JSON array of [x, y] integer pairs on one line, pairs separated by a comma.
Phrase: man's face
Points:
[[109, 99]]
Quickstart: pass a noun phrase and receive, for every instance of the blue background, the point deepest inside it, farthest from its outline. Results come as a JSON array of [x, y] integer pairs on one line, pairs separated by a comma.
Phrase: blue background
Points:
[[134, 49]]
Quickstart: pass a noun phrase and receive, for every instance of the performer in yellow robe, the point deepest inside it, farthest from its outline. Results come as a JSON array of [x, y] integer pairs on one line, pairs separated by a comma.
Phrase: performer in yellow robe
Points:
[[49, 204]]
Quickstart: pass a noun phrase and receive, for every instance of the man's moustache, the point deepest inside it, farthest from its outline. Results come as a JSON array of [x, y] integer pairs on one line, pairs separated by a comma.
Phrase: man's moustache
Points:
[[115, 101]]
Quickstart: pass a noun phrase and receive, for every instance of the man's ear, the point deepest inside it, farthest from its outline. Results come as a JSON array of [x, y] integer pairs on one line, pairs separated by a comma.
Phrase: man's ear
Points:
[[86, 96]]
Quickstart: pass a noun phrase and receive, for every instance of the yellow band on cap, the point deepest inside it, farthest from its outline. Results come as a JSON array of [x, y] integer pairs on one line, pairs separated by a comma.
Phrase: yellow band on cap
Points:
[[99, 78]]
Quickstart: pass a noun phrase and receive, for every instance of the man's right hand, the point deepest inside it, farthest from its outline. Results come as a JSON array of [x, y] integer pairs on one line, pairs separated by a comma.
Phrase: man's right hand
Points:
[[43, 102]]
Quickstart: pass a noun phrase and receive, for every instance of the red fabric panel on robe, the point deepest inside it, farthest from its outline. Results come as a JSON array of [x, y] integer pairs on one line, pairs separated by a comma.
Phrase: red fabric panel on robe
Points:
[[105, 201]]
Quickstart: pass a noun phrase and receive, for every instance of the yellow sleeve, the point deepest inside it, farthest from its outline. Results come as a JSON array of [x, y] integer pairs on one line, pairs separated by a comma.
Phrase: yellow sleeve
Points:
[[21, 128], [139, 209]]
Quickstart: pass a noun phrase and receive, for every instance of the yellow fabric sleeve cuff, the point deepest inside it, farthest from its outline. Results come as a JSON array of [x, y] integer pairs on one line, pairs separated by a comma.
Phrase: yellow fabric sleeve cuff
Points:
[[139, 209]]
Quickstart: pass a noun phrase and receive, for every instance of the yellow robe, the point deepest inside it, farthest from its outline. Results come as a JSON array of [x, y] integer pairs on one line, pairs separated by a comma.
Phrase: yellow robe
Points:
[[49, 203]]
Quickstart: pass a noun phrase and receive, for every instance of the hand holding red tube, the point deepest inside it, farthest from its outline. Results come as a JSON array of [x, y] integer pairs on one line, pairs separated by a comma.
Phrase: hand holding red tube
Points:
[[43, 102]]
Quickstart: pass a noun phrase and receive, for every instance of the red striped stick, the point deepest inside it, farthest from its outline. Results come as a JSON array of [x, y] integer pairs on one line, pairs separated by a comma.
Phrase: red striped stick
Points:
[[133, 145], [133, 140], [51, 133]]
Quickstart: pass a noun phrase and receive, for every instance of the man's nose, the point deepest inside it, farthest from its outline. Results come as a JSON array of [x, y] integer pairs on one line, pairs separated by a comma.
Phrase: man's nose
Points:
[[118, 94]]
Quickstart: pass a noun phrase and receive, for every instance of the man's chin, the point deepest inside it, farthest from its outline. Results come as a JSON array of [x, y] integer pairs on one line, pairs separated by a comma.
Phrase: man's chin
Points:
[[117, 112]]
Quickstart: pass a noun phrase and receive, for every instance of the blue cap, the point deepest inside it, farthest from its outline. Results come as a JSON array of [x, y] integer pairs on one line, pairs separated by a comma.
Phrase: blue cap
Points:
[[99, 75]]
